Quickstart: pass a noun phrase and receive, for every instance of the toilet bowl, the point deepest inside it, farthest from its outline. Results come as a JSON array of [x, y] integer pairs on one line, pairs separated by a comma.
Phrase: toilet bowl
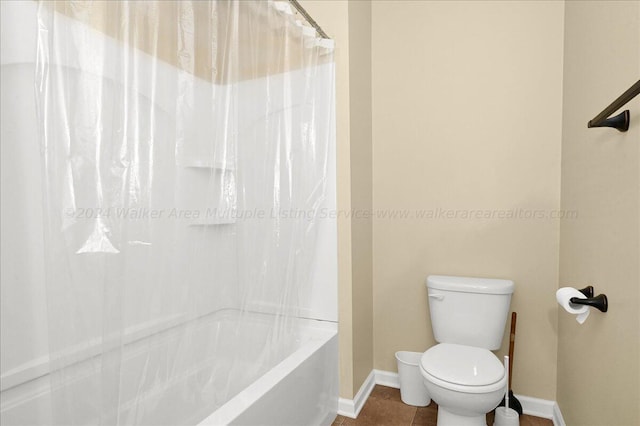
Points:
[[461, 374], [466, 383]]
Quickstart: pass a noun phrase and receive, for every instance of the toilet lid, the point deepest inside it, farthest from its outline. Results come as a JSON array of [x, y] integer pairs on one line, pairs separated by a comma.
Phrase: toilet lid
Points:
[[464, 365]]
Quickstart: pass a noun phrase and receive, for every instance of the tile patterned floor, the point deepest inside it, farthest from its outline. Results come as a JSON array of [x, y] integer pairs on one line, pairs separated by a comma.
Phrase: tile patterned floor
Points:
[[384, 408]]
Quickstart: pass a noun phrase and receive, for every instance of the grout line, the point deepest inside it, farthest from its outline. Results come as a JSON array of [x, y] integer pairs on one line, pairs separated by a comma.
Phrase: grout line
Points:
[[413, 419]]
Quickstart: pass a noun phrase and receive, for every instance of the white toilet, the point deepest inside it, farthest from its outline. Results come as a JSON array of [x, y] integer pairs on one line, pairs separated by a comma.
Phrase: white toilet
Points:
[[462, 375]]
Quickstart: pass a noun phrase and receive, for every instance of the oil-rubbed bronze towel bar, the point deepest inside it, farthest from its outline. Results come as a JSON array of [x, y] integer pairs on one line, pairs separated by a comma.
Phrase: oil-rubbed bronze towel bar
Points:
[[620, 121]]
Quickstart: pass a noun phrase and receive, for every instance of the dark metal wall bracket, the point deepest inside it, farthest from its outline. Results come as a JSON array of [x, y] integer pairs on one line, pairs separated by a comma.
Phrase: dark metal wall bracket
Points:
[[587, 291], [622, 120], [599, 302]]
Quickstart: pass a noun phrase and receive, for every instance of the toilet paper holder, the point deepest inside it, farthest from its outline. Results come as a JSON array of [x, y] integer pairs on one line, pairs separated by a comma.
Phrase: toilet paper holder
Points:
[[587, 291], [599, 302]]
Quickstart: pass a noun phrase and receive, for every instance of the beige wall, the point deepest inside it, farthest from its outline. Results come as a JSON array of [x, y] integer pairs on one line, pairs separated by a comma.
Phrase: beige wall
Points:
[[349, 24], [246, 29], [333, 16], [467, 115], [599, 361], [361, 188]]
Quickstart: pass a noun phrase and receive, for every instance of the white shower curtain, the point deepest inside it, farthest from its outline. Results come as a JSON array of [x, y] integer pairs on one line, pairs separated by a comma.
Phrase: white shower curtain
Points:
[[185, 151]]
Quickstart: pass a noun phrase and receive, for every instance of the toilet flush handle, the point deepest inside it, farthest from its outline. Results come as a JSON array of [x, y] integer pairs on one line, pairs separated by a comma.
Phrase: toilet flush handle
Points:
[[436, 296]]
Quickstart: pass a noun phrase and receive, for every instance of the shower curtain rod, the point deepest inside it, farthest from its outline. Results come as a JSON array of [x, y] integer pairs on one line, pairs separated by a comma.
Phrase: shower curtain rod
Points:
[[309, 19]]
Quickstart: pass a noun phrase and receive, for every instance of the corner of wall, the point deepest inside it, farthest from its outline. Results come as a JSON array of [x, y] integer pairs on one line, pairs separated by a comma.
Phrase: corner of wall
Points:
[[333, 16], [361, 188]]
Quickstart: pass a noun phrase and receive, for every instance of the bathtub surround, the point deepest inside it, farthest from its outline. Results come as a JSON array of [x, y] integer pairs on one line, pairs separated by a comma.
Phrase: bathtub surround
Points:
[[150, 317]]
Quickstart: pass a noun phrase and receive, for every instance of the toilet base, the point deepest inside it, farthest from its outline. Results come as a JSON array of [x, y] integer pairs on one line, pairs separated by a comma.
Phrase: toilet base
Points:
[[447, 418]]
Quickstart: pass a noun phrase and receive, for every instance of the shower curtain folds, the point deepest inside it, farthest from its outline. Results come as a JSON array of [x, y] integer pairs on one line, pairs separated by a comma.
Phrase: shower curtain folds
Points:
[[185, 159]]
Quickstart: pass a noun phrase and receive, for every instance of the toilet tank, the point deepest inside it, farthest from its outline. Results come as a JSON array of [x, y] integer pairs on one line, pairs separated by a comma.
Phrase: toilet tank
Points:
[[469, 311]]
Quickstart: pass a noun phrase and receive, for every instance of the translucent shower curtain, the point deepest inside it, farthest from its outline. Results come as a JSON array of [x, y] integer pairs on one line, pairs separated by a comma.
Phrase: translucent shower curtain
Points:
[[185, 148]]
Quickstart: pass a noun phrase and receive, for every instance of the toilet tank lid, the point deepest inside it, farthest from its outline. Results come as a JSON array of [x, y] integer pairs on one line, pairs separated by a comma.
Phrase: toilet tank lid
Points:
[[470, 284]]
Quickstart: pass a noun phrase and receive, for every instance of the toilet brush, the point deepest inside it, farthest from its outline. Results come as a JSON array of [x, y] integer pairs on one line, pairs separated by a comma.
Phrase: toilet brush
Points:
[[506, 416], [515, 404]]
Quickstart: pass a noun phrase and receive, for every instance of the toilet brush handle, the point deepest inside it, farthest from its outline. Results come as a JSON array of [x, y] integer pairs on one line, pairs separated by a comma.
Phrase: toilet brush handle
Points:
[[512, 344], [506, 369]]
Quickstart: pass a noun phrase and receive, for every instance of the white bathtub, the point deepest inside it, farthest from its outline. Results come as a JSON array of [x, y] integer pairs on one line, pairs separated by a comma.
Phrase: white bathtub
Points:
[[299, 388]]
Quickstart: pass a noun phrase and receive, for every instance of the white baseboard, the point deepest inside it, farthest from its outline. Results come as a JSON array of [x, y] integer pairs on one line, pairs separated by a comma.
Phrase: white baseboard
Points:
[[558, 420], [351, 407], [387, 378], [532, 406], [537, 407]]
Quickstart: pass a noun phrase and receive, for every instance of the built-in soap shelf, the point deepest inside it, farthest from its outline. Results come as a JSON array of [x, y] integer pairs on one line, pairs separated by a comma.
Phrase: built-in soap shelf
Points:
[[209, 187], [200, 163], [213, 222]]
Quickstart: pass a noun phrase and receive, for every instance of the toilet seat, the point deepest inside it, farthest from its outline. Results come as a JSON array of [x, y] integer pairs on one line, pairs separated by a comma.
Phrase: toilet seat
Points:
[[463, 368]]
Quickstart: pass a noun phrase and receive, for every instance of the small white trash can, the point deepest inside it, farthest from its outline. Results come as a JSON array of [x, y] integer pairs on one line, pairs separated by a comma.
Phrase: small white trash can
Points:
[[412, 388]]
